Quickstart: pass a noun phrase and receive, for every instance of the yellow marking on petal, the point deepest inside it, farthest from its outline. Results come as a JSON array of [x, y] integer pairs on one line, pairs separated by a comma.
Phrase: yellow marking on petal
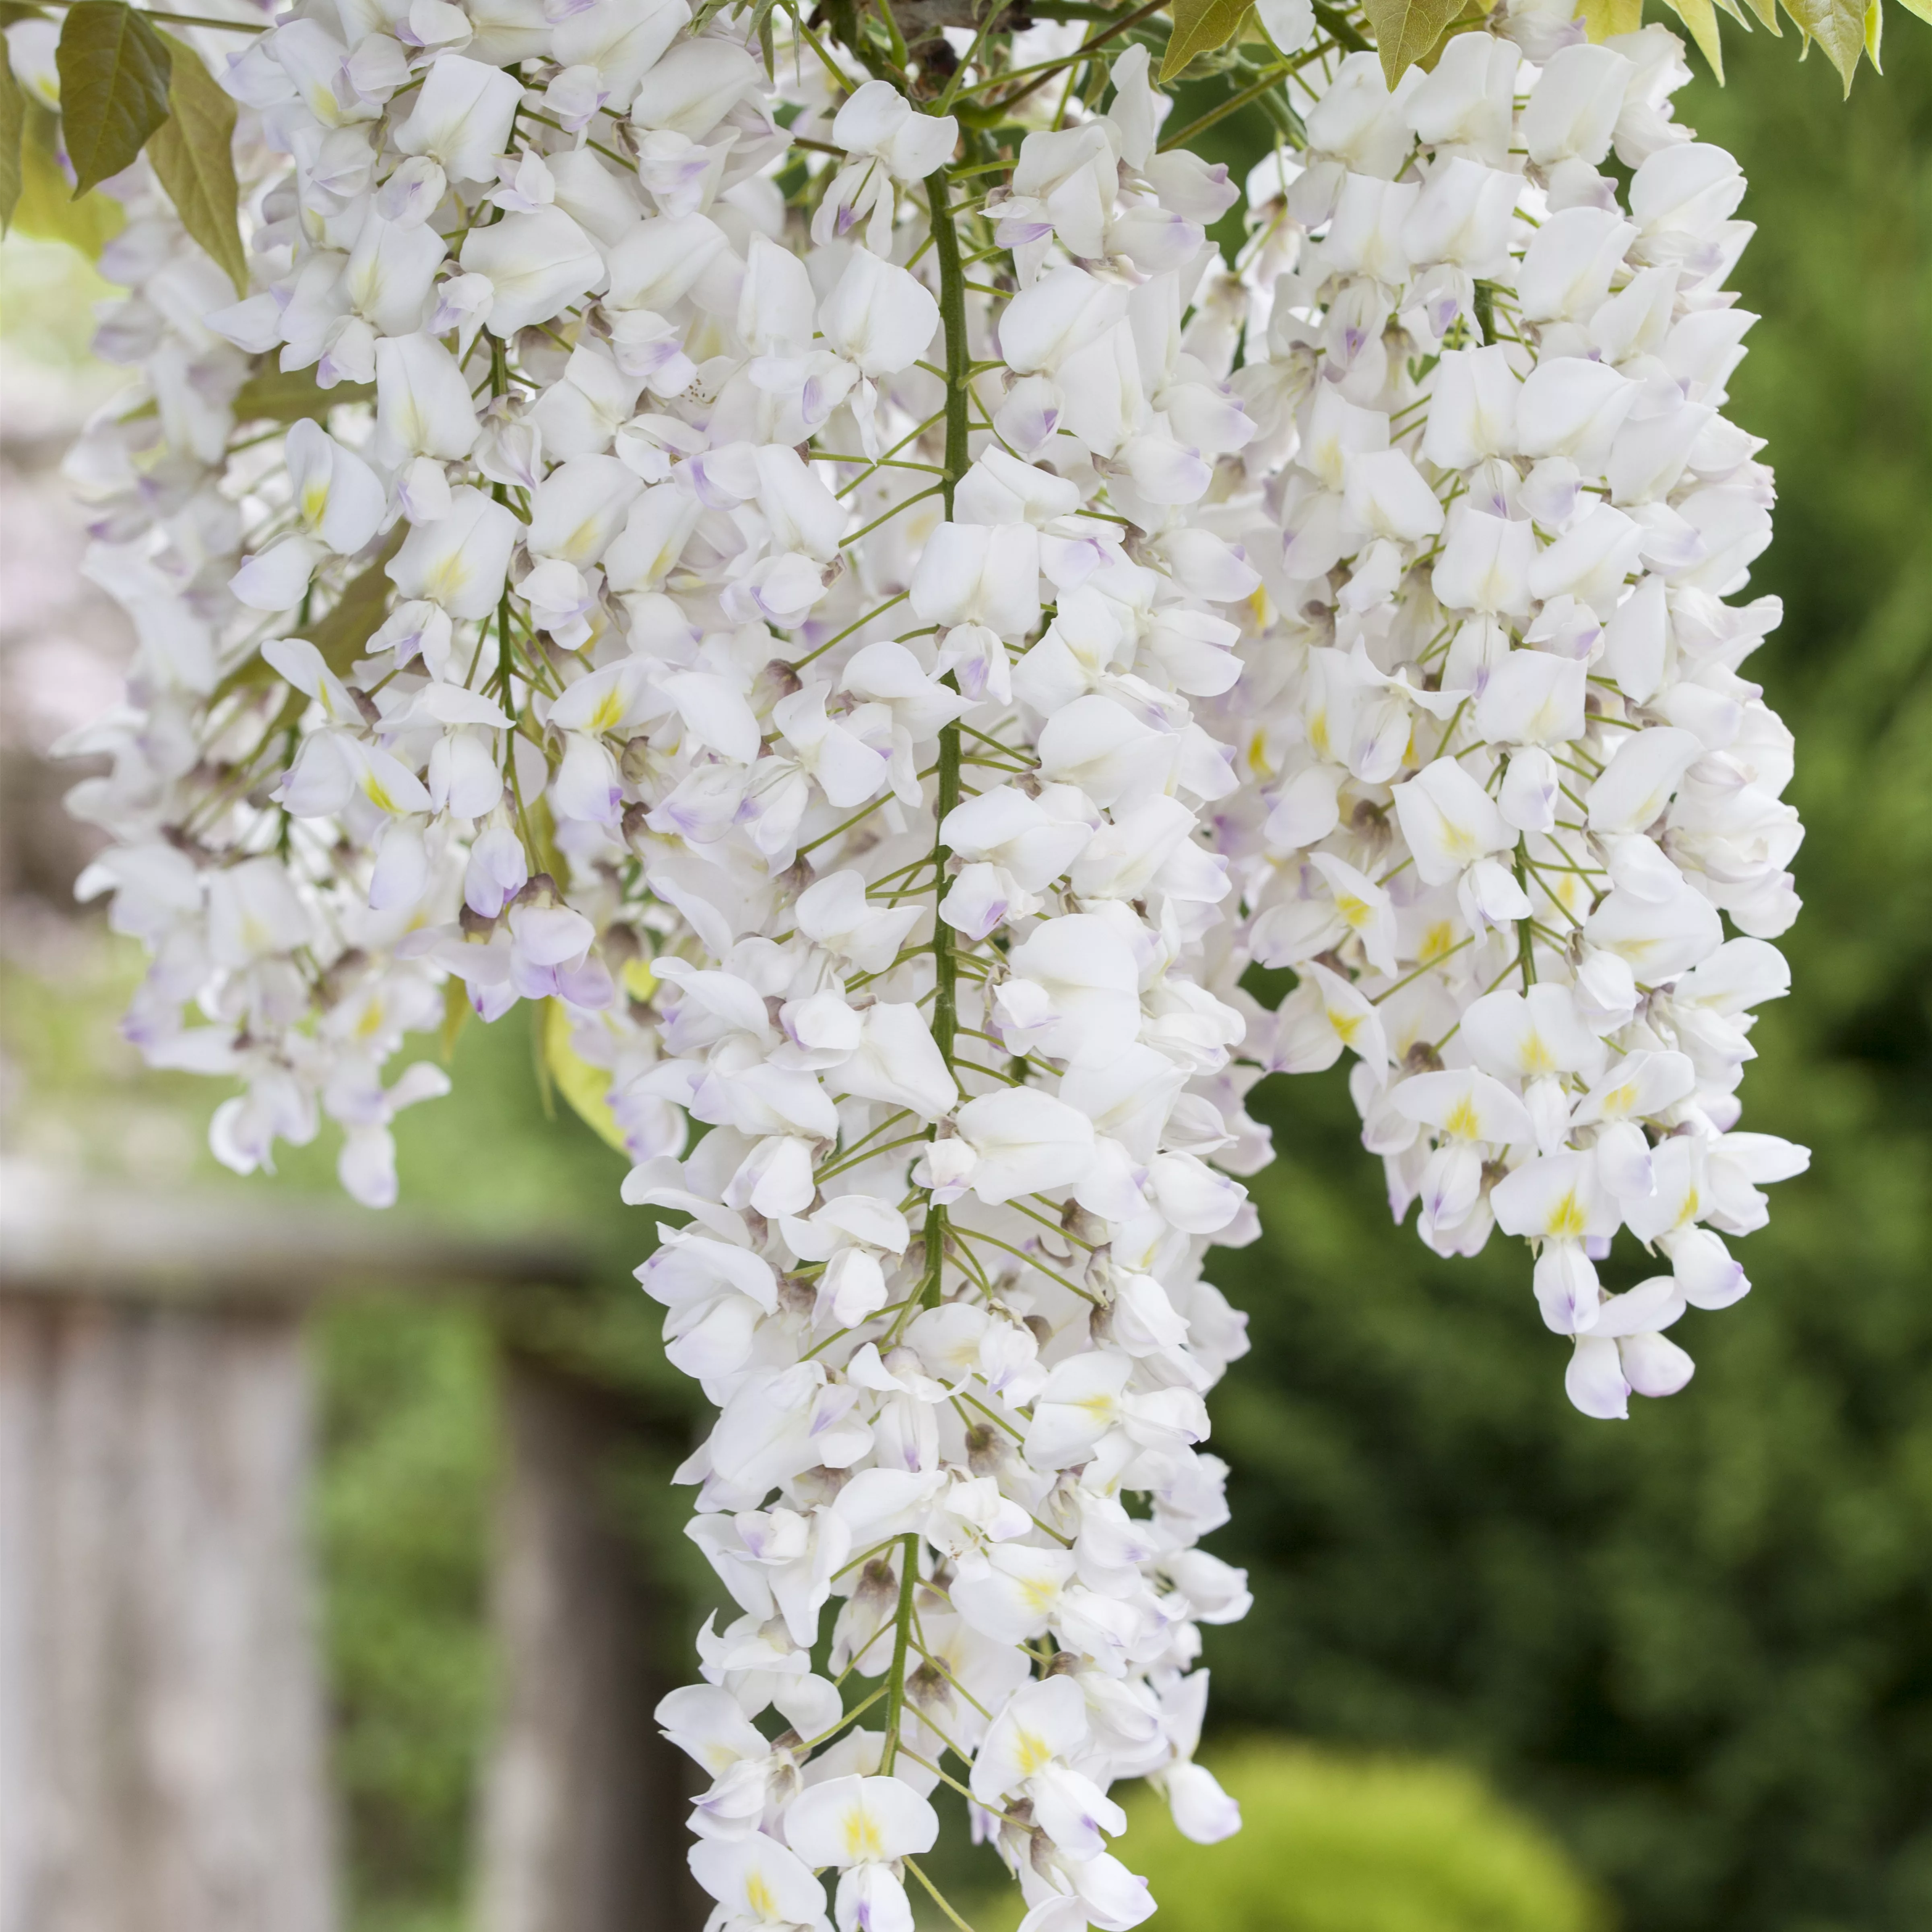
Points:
[[1567, 1221], [446, 583], [862, 1840], [1537, 1057], [609, 712], [1356, 912], [1436, 942], [315, 501], [1030, 1751], [1620, 1099], [322, 103], [661, 564], [582, 543], [1319, 741], [758, 1897], [1462, 1122], [374, 791], [370, 1024], [1346, 1025], [1039, 1593]]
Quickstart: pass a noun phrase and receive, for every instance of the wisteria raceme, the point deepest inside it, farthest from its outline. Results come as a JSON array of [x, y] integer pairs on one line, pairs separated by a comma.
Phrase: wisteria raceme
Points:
[[1509, 775], [790, 576]]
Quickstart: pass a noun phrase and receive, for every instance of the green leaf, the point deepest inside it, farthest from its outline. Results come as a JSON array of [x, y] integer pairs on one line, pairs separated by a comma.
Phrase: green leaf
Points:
[[1700, 18], [47, 207], [339, 634], [193, 153], [1200, 26], [1603, 18], [1407, 31], [456, 1012], [1923, 8], [114, 87], [586, 1087], [286, 396], [354, 617], [13, 140], [1838, 26]]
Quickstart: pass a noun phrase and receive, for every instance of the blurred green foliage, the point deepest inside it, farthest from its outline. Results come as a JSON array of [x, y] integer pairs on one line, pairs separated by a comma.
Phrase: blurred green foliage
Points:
[[402, 1523], [409, 1461], [1699, 1643]]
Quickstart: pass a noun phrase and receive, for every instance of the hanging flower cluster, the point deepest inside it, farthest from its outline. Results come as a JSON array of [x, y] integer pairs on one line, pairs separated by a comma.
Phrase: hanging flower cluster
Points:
[[1510, 776], [800, 587]]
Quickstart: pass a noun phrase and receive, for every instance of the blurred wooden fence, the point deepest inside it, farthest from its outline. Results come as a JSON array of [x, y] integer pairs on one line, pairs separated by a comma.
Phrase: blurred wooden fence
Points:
[[163, 1746]]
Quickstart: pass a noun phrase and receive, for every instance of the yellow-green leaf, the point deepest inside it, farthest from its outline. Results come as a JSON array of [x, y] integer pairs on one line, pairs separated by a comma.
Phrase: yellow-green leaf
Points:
[[193, 153], [1874, 34], [46, 208], [1603, 18], [1474, 16], [1923, 8], [339, 634], [586, 1087], [1700, 17], [354, 616], [1766, 11], [286, 396], [456, 1012], [1407, 30], [114, 87], [13, 139], [1200, 26], [1838, 26]]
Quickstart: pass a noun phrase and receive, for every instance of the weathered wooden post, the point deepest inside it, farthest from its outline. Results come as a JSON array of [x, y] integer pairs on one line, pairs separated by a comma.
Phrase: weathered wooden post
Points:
[[161, 1759], [163, 1750], [584, 1806]]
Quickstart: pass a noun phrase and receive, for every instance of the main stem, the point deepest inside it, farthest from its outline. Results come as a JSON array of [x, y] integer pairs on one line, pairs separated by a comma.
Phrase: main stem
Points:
[[945, 956], [1525, 956], [901, 1643]]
